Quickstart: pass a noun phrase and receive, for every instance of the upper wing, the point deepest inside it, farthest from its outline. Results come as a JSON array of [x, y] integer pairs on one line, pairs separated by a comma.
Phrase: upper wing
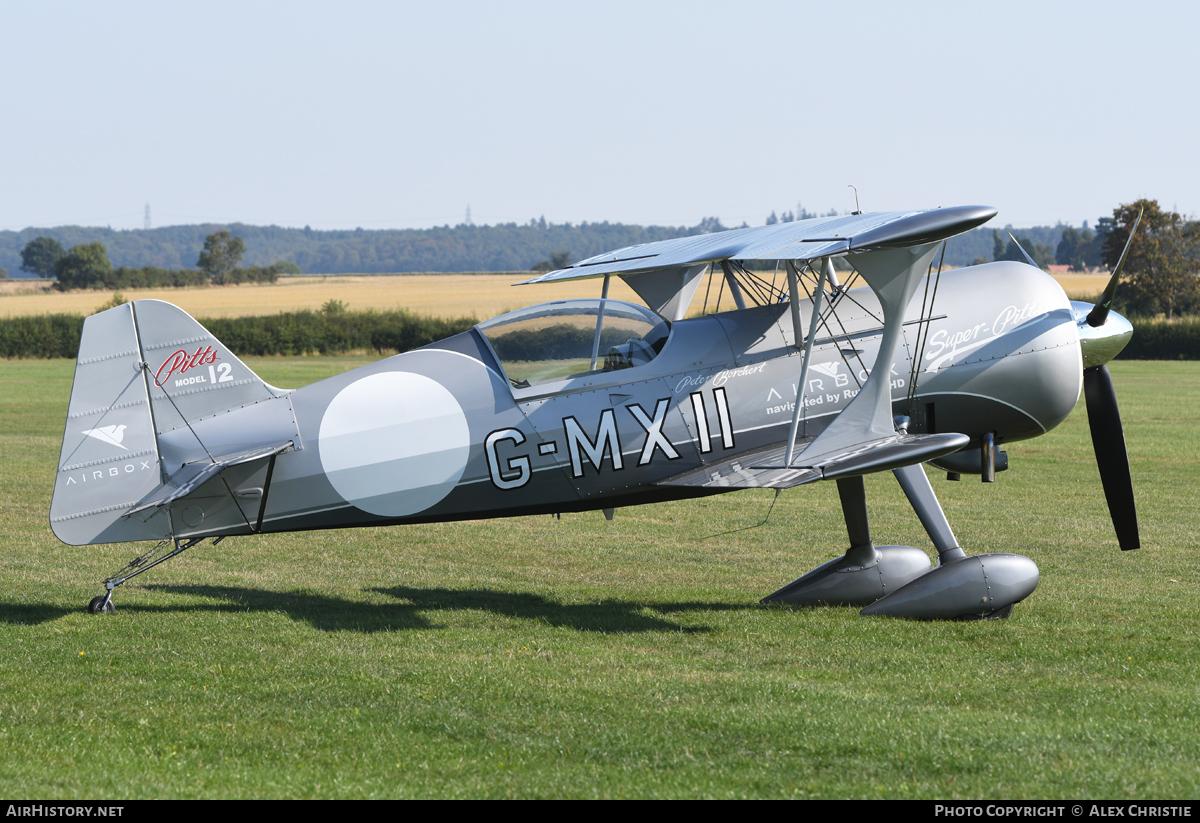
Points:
[[890, 251], [800, 240]]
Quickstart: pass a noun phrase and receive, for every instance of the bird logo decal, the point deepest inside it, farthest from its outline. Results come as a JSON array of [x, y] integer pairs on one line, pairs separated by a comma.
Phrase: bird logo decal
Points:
[[113, 435]]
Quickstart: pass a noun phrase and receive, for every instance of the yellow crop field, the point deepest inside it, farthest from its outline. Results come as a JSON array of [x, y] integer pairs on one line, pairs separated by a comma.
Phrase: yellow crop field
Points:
[[435, 295], [1082, 286]]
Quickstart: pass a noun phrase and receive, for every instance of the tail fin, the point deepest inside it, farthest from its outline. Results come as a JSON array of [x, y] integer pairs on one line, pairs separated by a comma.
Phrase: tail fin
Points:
[[146, 379]]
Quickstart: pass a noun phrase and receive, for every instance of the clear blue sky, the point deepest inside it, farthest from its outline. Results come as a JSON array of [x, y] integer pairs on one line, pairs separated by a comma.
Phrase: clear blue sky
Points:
[[389, 114]]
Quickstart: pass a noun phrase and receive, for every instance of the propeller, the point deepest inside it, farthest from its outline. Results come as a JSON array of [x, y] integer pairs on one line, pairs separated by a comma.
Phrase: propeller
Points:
[[1099, 313], [1108, 440], [1021, 248], [1104, 418]]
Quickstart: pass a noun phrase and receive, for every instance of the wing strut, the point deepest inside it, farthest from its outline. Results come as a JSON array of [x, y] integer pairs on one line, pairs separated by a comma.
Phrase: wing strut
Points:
[[793, 287], [734, 288], [599, 323], [893, 274], [793, 281]]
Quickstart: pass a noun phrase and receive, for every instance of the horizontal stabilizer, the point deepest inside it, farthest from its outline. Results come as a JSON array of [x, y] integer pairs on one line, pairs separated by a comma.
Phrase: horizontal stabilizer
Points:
[[765, 469], [194, 475]]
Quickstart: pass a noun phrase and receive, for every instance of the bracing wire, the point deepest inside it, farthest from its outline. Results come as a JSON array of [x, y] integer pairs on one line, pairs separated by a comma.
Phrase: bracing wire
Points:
[[925, 339], [768, 290], [760, 291], [752, 284], [844, 292], [182, 417], [823, 322], [914, 355], [748, 528]]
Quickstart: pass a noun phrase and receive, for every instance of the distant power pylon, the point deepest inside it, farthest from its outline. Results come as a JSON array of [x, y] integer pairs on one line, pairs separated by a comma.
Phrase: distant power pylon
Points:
[[147, 217], [469, 216]]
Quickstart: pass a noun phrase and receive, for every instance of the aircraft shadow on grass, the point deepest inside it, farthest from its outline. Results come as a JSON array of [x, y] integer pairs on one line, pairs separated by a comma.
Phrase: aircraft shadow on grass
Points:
[[32, 614], [414, 605]]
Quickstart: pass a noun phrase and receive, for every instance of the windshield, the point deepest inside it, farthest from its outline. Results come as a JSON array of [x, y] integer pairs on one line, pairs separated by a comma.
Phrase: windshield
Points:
[[571, 338]]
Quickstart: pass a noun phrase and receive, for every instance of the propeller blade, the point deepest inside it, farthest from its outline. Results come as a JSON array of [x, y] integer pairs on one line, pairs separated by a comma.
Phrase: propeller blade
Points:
[[1099, 312], [1022, 249], [1108, 439]]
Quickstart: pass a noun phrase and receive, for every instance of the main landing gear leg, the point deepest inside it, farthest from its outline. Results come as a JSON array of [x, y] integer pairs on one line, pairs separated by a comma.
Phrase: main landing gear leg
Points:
[[104, 605], [959, 587], [862, 575]]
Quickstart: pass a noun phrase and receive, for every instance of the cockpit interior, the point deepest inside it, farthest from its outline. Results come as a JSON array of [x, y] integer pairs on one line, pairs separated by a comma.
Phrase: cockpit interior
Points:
[[552, 342]]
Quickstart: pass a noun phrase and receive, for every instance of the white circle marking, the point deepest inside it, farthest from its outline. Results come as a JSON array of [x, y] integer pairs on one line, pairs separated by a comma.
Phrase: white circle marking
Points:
[[394, 443]]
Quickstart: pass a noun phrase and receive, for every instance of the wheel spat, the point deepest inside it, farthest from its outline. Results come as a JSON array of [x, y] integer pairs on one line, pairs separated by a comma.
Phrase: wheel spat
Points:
[[1108, 439]]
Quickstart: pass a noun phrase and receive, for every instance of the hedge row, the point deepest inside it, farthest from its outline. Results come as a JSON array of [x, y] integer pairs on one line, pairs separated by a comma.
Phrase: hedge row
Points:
[[1163, 340], [151, 277], [308, 332], [303, 332], [46, 335]]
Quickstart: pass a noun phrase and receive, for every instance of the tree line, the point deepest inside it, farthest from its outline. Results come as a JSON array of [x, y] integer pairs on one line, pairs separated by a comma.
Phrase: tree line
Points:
[[502, 247], [86, 266], [1160, 275], [1161, 272]]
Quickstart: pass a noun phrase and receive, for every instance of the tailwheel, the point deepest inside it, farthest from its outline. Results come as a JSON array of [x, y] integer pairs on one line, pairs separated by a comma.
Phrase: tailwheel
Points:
[[162, 551]]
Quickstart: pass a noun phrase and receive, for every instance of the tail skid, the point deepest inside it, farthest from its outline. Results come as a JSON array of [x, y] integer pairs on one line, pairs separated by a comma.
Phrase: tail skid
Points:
[[150, 451]]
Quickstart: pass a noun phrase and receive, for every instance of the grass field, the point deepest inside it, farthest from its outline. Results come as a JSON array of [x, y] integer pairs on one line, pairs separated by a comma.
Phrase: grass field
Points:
[[534, 657], [437, 295]]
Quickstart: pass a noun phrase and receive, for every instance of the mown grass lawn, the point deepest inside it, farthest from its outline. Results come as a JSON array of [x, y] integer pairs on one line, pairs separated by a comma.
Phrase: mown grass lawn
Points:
[[534, 657]]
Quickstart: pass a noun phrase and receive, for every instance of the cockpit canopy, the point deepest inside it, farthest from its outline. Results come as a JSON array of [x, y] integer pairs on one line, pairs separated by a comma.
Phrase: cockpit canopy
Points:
[[572, 338]]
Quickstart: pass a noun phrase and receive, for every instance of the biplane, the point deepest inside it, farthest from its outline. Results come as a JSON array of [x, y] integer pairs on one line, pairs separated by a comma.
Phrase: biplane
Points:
[[808, 374]]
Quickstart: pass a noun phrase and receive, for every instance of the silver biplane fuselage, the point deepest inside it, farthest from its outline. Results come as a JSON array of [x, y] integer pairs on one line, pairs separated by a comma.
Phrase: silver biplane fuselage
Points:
[[567, 406], [440, 433]]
